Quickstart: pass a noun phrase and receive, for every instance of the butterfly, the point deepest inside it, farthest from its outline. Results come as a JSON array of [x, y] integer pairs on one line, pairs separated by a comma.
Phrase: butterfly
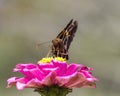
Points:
[[61, 43]]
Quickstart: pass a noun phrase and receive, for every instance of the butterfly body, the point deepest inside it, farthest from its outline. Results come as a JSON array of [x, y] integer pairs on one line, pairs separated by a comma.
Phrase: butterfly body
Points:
[[62, 42]]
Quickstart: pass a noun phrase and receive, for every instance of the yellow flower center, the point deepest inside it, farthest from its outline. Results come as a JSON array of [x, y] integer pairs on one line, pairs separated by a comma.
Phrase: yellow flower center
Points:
[[49, 59]]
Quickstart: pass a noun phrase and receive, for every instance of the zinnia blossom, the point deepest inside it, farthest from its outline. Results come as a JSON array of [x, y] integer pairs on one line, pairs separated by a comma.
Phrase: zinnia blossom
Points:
[[52, 71]]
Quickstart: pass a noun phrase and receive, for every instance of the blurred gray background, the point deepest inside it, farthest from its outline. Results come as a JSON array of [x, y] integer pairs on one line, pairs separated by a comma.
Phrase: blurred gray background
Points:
[[25, 23]]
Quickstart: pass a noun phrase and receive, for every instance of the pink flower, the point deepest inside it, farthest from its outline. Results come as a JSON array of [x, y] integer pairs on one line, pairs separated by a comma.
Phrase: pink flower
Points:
[[53, 73]]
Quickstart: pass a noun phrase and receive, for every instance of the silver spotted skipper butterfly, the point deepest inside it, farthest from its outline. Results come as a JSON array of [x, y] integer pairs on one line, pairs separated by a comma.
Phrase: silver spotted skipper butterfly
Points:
[[62, 42]]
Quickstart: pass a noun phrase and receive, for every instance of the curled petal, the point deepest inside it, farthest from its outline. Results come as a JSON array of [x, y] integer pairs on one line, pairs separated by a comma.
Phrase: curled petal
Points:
[[18, 82], [20, 67], [11, 81]]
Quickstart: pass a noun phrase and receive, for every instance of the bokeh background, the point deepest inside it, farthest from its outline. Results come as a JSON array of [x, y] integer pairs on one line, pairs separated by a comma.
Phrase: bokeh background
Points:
[[26, 23]]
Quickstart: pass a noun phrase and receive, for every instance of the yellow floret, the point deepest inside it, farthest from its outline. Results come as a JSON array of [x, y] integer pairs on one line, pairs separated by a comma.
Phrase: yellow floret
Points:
[[60, 59], [46, 60]]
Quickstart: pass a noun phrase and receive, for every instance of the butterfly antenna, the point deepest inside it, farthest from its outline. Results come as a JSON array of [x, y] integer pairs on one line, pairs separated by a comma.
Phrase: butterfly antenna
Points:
[[39, 44]]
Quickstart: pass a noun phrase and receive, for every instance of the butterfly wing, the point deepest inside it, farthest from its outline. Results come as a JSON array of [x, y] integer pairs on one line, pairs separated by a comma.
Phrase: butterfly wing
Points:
[[62, 42], [69, 34], [62, 34]]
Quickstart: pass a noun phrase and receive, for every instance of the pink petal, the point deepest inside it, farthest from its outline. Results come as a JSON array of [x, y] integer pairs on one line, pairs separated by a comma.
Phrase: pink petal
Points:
[[20, 85], [33, 73], [62, 67], [11, 81], [20, 67], [34, 83], [72, 68], [62, 80], [49, 79]]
